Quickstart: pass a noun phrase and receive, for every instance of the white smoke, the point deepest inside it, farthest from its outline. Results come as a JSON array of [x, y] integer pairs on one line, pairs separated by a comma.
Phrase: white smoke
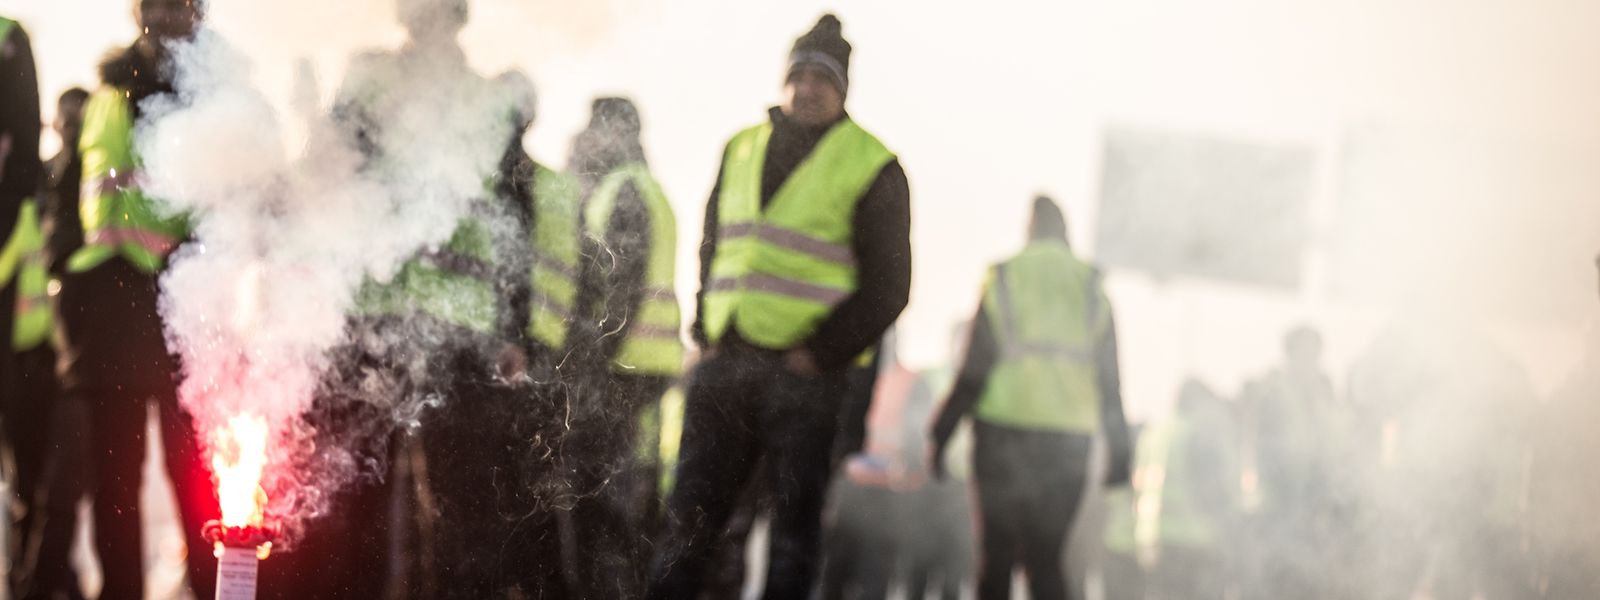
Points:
[[284, 239]]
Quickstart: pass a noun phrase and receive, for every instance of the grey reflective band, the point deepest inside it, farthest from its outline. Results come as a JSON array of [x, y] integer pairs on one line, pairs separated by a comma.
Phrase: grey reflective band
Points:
[[790, 240], [548, 263], [153, 241], [761, 282], [1093, 301], [1055, 350], [462, 264], [643, 331], [655, 293], [547, 304], [114, 181], [1007, 319], [1014, 344]]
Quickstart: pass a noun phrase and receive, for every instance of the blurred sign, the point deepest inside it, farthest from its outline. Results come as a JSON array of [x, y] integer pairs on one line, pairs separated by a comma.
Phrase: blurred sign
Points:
[[1198, 206]]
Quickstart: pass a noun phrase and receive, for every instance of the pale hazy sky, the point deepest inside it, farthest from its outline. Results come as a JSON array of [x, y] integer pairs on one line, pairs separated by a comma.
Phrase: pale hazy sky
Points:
[[990, 103]]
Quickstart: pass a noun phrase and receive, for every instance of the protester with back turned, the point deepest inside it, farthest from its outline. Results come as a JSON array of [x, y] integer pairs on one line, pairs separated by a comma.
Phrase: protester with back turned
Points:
[[806, 262], [628, 318], [539, 197], [115, 356], [1040, 378]]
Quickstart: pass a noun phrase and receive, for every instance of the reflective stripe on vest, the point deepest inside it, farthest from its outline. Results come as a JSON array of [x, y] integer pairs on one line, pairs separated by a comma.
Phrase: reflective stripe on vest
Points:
[[555, 246], [780, 270], [1046, 309], [455, 285], [22, 260], [118, 220], [653, 345]]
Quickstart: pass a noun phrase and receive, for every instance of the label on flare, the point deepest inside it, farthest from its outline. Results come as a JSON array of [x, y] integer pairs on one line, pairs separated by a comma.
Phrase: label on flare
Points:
[[236, 574]]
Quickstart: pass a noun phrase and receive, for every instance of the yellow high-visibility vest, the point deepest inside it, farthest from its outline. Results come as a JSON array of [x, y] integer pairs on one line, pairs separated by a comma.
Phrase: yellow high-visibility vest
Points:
[[455, 285], [653, 345], [779, 271], [118, 219], [22, 260], [1047, 311], [556, 226]]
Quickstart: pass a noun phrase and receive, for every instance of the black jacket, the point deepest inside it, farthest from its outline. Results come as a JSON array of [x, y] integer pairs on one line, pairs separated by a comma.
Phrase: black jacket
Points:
[[61, 220], [19, 127], [882, 245]]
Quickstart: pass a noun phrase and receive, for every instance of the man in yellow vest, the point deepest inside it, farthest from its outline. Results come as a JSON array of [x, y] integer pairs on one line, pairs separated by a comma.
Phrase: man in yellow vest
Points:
[[43, 428], [1040, 379], [806, 263], [631, 352], [115, 356]]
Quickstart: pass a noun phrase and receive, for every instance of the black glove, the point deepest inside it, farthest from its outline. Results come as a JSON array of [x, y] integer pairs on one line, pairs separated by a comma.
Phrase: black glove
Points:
[[1120, 470], [936, 461]]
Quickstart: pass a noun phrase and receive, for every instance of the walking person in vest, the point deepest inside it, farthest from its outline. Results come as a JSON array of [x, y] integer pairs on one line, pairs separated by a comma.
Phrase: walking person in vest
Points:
[[629, 321], [45, 431], [806, 263], [116, 359], [1040, 378]]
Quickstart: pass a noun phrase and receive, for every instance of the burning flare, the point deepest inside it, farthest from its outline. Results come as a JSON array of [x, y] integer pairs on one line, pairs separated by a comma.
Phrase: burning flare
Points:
[[239, 456]]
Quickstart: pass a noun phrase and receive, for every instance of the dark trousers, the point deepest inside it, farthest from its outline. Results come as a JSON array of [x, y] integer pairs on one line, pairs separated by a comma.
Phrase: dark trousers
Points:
[[27, 426], [744, 406], [44, 441], [485, 469], [118, 366], [725, 576], [605, 537], [1029, 485]]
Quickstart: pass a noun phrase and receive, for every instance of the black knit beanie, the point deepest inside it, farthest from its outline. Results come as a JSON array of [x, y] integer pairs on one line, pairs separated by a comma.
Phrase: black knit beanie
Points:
[[824, 46]]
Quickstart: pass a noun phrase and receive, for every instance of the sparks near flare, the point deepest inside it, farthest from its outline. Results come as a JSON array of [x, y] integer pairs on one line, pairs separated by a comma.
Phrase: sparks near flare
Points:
[[242, 538]]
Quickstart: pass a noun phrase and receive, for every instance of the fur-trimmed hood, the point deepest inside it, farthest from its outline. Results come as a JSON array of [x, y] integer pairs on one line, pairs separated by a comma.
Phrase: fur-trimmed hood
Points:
[[128, 70]]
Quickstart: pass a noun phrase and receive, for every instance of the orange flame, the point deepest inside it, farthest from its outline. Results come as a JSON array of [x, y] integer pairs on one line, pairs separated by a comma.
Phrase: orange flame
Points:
[[238, 458]]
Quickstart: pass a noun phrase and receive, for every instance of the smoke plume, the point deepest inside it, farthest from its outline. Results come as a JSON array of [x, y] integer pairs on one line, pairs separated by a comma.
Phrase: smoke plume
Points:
[[257, 303]]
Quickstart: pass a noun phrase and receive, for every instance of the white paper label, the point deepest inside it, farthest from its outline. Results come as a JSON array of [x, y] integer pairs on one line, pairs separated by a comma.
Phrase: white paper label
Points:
[[236, 574]]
